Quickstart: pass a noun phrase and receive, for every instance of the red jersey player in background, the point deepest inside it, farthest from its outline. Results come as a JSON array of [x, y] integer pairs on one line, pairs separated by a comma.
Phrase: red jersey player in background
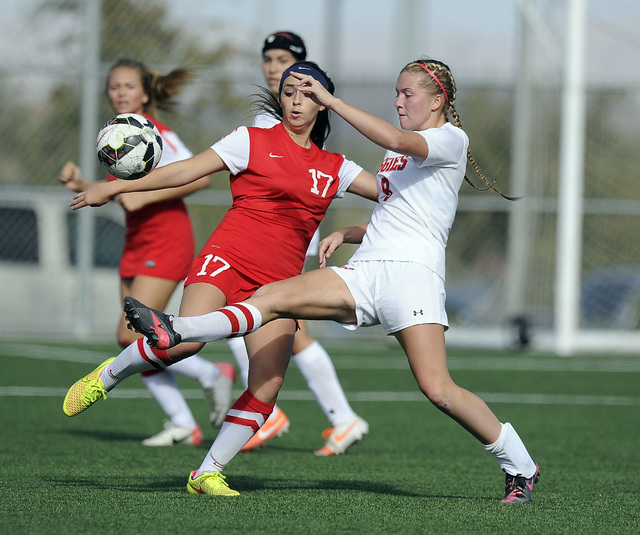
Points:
[[153, 268], [282, 183], [281, 50]]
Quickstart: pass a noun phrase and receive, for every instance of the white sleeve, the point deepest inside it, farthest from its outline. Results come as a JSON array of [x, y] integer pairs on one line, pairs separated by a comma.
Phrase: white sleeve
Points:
[[348, 172], [265, 120], [234, 150], [173, 149], [446, 147]]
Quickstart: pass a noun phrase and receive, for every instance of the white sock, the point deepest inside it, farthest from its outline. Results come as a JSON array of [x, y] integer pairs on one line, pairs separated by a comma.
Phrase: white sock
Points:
[[234, 437], [129, 362], [245, 417], [511, 453], [233, 320], [164, 389], [198, 369], [317, 368]]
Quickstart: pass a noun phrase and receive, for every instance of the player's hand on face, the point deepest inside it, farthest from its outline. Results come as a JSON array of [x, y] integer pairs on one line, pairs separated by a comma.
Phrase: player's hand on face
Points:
[[309, 86], [327, 246]]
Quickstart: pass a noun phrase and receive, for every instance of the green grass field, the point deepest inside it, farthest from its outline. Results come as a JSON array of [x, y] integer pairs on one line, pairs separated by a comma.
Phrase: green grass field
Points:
[[416, 472]]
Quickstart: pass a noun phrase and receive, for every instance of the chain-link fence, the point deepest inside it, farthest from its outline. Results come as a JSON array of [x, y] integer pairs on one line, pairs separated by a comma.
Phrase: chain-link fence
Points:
[[363, 44]]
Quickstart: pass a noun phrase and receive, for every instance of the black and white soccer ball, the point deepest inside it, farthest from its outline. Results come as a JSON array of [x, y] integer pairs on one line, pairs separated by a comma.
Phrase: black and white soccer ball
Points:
[[129, 146]]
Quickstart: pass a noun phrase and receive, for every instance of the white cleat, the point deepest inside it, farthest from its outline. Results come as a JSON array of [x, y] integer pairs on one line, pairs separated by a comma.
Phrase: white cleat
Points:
[[341, 437], [219, 394], [173, 434]]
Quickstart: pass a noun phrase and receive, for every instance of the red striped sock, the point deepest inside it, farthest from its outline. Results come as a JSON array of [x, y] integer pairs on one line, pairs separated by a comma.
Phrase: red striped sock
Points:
[[233, 320], [137, 357], [244, 419], [158, 358]]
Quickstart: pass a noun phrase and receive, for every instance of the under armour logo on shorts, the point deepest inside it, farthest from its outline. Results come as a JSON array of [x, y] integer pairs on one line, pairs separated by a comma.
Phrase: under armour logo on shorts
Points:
[[416, 312]]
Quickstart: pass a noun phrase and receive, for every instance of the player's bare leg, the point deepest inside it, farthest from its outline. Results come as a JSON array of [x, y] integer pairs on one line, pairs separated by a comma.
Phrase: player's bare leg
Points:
[[269, 353], [424, 346]]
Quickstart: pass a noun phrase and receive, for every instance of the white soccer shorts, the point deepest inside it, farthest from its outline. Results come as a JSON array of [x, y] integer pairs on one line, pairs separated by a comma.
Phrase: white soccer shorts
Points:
[[394, 294]]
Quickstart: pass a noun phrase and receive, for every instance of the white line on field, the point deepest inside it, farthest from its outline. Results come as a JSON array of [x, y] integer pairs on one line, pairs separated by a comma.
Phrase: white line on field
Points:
[[305, 395], [399, 362]]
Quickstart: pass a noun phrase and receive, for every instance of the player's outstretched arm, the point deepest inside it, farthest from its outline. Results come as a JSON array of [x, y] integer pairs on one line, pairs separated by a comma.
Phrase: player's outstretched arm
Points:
[[137, 199], [381, 132], [170, 176]]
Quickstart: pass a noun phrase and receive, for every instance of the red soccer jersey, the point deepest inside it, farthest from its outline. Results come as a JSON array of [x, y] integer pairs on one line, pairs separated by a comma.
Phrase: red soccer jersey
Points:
[[281, 192], [159, 239]]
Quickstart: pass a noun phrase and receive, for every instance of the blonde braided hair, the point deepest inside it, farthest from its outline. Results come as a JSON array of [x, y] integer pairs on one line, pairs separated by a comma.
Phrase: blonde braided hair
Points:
[[436, 78]]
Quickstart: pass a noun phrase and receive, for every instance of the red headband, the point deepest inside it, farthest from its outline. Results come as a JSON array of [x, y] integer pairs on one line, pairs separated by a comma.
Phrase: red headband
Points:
[[436, 79]]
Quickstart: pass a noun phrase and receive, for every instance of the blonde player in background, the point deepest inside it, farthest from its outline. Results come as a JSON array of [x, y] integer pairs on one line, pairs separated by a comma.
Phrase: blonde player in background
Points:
[[152, 268]]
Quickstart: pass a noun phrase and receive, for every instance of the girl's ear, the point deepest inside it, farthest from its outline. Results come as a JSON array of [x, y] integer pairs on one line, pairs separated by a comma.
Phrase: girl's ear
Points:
[[437, 102]]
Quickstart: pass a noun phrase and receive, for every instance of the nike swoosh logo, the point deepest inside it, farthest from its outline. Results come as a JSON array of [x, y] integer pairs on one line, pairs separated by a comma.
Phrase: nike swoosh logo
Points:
[[271, 155], [533, 479], [199, 491], [161, 332], [342, 436]]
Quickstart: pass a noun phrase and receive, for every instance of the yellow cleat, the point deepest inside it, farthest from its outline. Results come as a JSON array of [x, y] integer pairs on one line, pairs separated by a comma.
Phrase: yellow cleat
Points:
[[211, 483], [85, 392]]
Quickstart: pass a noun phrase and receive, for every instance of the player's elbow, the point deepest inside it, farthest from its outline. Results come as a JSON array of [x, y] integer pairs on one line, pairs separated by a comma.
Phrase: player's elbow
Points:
[[395, 141]]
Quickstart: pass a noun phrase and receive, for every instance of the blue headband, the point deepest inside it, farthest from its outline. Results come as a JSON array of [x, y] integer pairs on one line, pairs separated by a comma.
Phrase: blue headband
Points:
[[303, 69]]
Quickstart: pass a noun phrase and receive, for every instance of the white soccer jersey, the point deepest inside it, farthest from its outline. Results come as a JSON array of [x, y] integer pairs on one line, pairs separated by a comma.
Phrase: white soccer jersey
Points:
[[417, 202], [173, 149], [264, 119]]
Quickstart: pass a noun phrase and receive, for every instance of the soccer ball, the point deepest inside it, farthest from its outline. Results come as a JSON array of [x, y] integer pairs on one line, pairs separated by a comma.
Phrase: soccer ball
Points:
[[129, 146]]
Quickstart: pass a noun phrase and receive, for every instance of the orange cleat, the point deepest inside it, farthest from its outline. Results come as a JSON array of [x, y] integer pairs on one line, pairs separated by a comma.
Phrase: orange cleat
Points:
[[276, 426]]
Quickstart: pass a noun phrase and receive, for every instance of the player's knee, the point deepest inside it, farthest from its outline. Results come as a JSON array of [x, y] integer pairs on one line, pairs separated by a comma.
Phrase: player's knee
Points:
[[437, 393], [276, 296], [266, 290]]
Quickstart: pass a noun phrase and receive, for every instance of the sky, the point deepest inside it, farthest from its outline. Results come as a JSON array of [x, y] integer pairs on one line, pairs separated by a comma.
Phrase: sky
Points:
[[367, 37], [478, 39], [375, 38]]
